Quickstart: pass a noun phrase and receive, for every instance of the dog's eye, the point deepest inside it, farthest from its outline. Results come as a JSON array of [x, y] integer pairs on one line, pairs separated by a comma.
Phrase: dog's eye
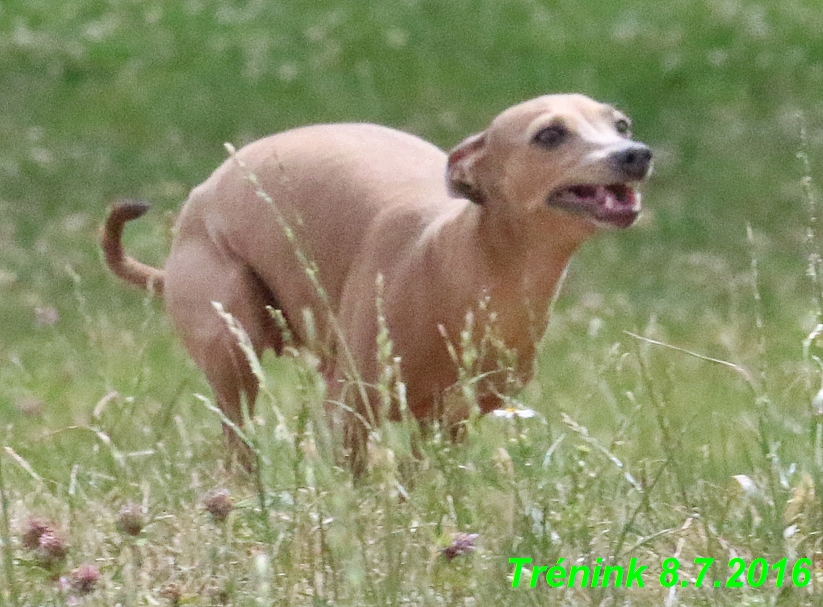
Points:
[[623, 127], [551, 136]]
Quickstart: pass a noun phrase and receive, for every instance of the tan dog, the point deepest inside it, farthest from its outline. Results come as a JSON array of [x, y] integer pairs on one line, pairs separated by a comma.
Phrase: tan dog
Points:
[[306, 221]]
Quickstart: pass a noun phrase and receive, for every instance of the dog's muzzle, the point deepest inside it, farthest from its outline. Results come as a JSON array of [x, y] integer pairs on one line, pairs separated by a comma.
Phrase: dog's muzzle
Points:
[[615, 204], [634, 162]]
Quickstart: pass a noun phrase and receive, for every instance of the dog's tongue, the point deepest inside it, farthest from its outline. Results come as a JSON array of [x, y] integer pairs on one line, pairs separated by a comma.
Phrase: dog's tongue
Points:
[[616, 204], [585, 191]]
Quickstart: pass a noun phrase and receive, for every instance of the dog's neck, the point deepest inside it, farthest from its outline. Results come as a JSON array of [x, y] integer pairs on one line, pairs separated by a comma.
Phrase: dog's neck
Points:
[[527, 254], [516, 265]]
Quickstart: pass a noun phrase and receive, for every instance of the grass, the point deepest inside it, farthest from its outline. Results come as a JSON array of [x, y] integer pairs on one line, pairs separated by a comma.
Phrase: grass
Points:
[[638, 450]]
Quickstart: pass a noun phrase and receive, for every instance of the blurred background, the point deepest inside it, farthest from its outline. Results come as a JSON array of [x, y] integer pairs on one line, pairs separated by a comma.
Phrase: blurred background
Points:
[[102, 99]]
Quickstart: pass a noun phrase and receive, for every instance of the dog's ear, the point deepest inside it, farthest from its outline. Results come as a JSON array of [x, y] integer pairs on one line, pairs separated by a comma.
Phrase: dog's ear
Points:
[[460, 171]]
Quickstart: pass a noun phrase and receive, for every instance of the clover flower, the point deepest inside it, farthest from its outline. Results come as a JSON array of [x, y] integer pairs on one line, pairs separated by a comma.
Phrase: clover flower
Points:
[[462, 543], [51, 550], [83, 580], [35, 527], [219, 504], [131, 519]]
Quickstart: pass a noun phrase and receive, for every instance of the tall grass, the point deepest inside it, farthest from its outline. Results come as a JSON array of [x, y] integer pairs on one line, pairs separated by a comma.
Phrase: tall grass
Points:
[[709, 445]]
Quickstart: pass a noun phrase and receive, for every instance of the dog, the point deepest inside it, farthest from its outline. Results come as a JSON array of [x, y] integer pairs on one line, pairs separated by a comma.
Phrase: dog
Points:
[[353, 231]]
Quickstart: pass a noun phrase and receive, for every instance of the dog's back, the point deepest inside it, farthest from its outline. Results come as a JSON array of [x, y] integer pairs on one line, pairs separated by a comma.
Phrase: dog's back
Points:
[[305, 199]]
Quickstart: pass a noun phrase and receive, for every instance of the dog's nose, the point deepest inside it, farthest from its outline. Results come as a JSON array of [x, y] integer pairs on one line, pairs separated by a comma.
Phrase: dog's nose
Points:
[[633, 161]]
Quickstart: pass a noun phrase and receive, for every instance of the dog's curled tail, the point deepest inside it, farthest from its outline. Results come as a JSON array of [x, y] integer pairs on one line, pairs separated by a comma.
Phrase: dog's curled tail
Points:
[[127, 268]]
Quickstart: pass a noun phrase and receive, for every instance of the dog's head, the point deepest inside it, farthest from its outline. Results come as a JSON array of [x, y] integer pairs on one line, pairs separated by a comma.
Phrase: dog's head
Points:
[[565, 153]]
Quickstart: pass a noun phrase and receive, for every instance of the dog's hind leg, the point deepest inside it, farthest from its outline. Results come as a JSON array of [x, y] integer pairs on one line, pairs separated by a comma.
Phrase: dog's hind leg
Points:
[[198, 274]]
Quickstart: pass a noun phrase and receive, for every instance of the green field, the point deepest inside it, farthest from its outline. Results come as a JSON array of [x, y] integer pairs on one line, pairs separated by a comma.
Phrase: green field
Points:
[[676, 385]]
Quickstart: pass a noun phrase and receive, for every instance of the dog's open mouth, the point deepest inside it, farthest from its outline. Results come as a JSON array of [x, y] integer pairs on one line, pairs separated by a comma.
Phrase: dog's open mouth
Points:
[[616, 205]]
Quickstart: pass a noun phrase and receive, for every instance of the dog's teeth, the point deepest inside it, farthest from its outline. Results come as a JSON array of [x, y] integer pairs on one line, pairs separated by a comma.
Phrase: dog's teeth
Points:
[[608, 197]]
